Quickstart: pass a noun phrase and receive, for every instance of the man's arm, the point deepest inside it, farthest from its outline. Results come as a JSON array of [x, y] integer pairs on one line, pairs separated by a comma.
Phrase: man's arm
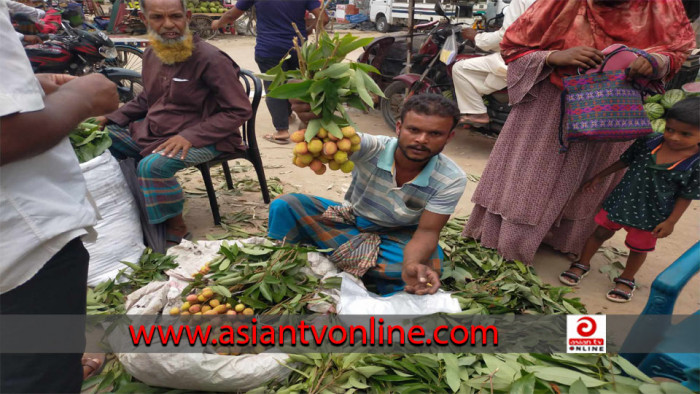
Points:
[[419, 277], [133, 110], [227, 18], [491, 41], [317, 13], [71, 102]]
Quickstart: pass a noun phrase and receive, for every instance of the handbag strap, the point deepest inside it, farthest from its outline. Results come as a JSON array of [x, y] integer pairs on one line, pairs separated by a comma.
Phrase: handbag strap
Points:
[[651, 59], [562, 147]]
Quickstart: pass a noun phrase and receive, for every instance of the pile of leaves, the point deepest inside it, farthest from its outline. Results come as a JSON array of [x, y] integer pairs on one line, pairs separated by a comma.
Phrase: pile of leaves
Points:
[[89, 141], [270, 279], [108, 297], [466, 373], [485, 283]]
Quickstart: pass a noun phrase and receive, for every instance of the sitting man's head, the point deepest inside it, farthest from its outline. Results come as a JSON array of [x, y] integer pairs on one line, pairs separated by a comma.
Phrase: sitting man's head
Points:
[[168, 29], [426, 125]]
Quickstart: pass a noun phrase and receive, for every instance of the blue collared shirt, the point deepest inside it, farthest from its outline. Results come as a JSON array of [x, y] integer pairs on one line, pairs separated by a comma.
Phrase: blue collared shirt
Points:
[[374, 194]]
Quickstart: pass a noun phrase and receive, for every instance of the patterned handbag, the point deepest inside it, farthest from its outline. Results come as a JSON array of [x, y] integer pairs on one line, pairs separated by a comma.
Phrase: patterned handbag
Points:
[[604, 105]]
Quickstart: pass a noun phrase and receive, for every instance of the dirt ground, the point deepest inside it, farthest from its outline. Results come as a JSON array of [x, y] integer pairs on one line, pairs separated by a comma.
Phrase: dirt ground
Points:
[[469, 150]]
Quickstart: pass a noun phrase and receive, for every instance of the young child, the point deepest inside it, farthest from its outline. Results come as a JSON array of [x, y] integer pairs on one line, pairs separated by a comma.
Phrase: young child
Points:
[[663, 177]]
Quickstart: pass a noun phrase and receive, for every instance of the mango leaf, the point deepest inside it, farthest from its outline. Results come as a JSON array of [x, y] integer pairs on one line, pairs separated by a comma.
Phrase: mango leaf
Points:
[[332, 128], [221, 290], [312, 129], [563, 376], [291, 90], [333, 71], [346, 47], [265, 291], [578, 388], [452, 371], [369, 370], [368, 68], [631, 370], [362, 91], [524, 385]]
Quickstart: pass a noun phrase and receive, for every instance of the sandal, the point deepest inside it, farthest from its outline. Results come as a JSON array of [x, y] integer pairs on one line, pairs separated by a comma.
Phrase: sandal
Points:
[[272, 138], [93, 365], [576, 278], [626, 295]]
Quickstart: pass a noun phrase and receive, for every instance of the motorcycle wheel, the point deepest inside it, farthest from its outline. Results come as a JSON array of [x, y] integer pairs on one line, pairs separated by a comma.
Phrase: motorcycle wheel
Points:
[[390, 106], [129, 88], [128, 57]]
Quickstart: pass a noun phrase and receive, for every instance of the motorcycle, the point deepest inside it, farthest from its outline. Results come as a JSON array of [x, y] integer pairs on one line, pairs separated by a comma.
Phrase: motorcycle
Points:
[[429, 75], [79, 52]]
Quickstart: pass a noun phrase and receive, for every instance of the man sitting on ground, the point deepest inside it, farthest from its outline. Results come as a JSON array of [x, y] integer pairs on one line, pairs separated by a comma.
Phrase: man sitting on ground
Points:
[[189, 112], [403, 191]]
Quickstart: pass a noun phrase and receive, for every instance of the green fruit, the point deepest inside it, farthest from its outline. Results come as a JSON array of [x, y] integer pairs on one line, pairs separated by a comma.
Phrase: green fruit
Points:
[[654, 110], [653, 99], [671, 97], [658, 125]]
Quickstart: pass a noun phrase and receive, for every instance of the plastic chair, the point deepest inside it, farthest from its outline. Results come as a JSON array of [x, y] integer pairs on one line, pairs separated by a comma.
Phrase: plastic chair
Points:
[[252, 154], [682, 367]]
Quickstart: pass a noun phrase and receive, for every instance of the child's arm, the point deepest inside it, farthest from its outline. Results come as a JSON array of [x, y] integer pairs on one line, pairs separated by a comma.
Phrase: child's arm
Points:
[[614, 167], [665, 228]]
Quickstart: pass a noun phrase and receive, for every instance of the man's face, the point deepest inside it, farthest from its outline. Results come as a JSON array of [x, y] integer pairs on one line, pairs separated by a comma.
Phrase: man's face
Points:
[[423, 136], [166, 18]]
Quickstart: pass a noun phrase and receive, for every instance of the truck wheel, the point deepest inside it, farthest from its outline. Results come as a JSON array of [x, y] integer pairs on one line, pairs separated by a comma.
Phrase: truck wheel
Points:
[[382, 24], [391, 105]]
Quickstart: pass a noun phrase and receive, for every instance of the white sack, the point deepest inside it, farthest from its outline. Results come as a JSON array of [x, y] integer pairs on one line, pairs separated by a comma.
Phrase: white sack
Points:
[[119, 235]]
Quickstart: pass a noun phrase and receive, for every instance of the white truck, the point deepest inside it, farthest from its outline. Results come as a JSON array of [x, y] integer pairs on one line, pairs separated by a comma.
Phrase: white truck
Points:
[[385, 13]]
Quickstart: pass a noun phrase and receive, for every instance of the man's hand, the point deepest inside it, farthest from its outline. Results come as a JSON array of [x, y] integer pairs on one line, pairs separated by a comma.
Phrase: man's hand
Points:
[[31, 40], [583, 57], [469, 34], [216, 25], [420, 279], [640, 67], [102, 121], [98, 91], [51, 82], [303, 110], [664, 229], [173, 145]]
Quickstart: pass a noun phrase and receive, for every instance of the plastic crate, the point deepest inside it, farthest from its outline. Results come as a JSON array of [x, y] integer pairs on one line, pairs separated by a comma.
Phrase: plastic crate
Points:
[[687, 73]]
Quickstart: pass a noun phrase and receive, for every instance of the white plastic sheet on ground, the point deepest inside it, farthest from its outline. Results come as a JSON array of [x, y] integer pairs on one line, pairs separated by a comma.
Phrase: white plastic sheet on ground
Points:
[[119, 236], [356, 300]]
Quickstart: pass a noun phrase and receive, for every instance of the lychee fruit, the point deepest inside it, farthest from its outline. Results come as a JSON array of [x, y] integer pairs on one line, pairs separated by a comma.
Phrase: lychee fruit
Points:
[[345, 145], [347, 167], [297, 136], [340, 157], [301, 148], [315, 145], [333, 165], [355, 139], [329, 148], [348, 131]]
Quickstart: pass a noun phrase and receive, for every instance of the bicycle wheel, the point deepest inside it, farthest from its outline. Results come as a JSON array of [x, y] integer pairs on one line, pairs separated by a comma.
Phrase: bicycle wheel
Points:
[[128, 57], [201, 25]]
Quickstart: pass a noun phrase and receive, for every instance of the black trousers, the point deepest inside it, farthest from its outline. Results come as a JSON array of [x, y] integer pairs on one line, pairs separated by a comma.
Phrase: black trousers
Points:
[[60, 287], [280, 109]]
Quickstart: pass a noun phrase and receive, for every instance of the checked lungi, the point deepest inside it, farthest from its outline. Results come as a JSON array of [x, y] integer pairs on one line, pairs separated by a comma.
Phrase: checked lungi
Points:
[[298, 218], [156, 173]]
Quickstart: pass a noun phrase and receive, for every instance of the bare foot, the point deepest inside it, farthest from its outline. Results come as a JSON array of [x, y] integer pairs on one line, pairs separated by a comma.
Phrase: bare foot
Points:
[[91, 366]]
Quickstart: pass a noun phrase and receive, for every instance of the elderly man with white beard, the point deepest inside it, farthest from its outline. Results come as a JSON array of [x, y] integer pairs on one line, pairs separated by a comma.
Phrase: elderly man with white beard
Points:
[[189, 112]]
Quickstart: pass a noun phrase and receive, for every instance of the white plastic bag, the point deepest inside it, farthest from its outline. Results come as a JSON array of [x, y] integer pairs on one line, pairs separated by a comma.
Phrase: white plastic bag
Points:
[[449, 50], [356, 300], [119, 236]]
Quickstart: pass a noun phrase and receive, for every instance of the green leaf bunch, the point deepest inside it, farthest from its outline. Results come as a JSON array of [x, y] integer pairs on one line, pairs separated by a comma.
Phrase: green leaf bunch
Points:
[[89, 141], [325, 81]]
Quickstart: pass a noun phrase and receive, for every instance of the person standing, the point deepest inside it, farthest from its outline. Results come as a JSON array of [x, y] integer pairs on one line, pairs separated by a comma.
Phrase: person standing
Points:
[[274, 41], [528, 194], [44, 208]]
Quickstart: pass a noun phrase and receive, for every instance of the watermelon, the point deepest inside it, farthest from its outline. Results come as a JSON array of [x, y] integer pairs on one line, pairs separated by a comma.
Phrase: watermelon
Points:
[[658, 125], [654, 110], [653, 99], [671, 97], [692, 89]]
